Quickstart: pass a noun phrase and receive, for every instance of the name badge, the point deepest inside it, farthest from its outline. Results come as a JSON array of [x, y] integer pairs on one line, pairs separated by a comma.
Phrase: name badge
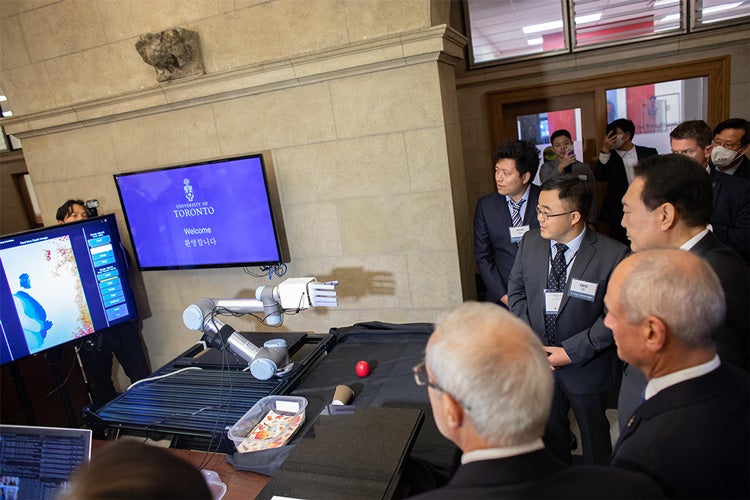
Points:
[[552, 300], [516, 233], [583, 177], [583, 290]]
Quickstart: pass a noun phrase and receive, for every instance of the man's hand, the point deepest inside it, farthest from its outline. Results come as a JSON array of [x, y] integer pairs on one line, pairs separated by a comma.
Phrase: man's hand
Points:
[[609, 142], [565, 161], [504, 299], [557, 357]]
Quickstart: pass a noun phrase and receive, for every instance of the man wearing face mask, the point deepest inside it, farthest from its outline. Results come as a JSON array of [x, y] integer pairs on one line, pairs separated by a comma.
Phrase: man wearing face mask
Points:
[[730, 219], [616, 169], [729, 147]]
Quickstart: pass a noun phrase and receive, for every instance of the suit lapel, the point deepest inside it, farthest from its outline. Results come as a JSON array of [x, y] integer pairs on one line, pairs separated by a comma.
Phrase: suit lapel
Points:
[[583, 258]]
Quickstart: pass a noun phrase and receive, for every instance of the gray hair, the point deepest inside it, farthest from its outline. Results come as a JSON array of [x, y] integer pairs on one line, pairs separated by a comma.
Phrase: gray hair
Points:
[[494, 364], [679, 288]]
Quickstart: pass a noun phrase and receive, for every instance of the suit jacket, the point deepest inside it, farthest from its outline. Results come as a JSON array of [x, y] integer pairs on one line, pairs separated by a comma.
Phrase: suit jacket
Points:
[[733, 341], [613, 173], [493, 249], [540, 474], [693, 438], [731, 216], [580, 323]]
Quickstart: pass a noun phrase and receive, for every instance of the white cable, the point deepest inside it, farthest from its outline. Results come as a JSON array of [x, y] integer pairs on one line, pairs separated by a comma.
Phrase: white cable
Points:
[[164, 376]]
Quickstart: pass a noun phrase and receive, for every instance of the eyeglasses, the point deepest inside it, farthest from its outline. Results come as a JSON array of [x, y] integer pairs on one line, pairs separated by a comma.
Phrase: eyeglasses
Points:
[[734, 146], [421, 379], [545, 215]]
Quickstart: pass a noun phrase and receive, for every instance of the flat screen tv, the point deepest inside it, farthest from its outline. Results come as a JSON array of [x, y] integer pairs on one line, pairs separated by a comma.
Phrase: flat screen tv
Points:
[[211, 214], [61, 283]]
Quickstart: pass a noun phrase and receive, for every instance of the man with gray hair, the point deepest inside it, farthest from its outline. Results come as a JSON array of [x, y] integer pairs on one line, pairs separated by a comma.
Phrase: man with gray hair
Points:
[[692, 432], [490, 388]]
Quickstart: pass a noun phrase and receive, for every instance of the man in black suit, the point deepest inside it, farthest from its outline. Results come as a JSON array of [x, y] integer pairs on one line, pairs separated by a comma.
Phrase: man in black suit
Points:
[[616, 169], [730, 146], [502, 218], [692, 432], [668, 205], [557, 286], [730, 221], [490, 388]]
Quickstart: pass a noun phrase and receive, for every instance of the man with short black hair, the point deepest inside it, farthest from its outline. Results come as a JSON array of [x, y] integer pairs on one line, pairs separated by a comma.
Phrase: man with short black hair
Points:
[[616, 169], [502, 218], [71, 210], [730, 146], [556, 286], [565, 162], [692, 432]]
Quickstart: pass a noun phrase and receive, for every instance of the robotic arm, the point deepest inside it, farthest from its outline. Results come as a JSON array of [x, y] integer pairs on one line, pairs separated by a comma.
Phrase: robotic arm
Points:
[[291, 295]]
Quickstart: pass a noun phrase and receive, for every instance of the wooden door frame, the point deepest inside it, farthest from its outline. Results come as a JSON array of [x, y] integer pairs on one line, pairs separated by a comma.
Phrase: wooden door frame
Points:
[[716, 69]]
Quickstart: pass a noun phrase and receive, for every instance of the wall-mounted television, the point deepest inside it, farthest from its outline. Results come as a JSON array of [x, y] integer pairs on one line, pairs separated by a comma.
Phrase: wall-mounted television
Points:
[[61, 283], [210, 214]]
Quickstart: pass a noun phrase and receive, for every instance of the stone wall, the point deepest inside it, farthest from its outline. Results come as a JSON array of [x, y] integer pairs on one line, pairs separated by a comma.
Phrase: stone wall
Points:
[[353, 101]]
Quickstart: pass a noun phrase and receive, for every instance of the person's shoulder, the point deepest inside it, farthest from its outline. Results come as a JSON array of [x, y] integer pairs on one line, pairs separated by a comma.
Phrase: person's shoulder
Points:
[[645, 151], [489, 198], [605, 242], [607, 482]]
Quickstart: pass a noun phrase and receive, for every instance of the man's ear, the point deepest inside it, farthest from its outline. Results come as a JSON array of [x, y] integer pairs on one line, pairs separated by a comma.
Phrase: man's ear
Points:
[[526, 178], [452, 411], [668, 216], [655, 333]]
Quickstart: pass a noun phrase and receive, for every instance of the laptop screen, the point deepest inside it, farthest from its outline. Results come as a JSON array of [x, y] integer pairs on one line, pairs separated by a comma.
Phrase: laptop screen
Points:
[[37, 462]]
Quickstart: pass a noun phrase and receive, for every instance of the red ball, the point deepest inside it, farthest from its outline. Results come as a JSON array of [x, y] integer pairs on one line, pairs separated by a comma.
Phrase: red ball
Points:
[[362, 368]]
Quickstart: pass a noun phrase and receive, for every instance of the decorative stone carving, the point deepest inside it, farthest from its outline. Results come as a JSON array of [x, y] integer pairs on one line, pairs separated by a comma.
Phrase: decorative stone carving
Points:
[[175, 53]]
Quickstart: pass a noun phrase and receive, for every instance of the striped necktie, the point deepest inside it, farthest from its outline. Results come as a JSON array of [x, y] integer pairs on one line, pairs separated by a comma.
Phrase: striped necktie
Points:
[[515, 215]]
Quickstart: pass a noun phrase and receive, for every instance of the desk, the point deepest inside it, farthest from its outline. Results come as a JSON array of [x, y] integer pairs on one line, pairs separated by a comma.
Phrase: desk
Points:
[[240, 485]]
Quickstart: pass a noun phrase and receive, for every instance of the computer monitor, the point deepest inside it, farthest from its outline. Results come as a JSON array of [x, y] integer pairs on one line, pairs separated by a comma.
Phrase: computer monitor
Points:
[[61, 283], [216, 213], [37, 462]]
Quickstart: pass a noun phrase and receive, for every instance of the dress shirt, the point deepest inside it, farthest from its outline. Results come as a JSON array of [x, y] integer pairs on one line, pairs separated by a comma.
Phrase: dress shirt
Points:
[[494, 453], [658, 384], [521, 212], [570, 253], [689, 244]]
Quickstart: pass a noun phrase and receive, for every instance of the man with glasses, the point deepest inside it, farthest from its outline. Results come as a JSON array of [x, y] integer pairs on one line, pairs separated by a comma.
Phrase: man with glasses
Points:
[[557, 286], [730, 145], [490, 389], [730, 220]]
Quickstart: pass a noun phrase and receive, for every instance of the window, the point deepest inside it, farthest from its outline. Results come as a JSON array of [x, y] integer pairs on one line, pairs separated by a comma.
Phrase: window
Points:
[[512, 29]]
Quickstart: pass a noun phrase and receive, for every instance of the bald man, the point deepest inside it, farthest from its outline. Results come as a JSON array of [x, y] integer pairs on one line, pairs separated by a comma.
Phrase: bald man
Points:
[[692, 431], [490, 388]]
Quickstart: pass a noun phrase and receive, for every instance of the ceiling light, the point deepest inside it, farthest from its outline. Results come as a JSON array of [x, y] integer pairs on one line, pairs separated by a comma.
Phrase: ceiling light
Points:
[[720, 8], [669, 18], [588, 18], [3, 98], [535, 41], [662, 3], [536, 28], [6, 114]]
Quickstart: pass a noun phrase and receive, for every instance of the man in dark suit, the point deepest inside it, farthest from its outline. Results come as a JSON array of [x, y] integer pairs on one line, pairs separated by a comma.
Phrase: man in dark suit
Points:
[[490, 389], [668, 205], [557, 285], [730, 221], [692, 432], [730, 145], [501, 218], [617, 158]]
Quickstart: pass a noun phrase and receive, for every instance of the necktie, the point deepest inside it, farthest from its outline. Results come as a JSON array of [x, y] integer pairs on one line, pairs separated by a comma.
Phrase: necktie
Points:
[[515, 214], [555, 281]]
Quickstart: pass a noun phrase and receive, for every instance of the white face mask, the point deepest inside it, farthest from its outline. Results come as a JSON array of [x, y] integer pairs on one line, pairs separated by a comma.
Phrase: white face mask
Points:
[[723, 157], [619, 141]]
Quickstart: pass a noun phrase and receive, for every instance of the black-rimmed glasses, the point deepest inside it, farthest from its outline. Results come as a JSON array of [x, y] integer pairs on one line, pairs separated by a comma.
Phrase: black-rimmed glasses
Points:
[[421, 379], [545, 215]]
